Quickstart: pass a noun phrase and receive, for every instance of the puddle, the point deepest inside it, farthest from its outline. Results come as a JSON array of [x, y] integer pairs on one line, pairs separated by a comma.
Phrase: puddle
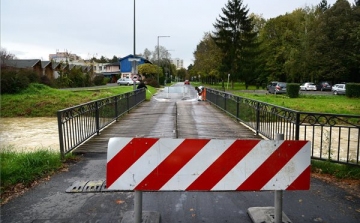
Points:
[[29, 134]]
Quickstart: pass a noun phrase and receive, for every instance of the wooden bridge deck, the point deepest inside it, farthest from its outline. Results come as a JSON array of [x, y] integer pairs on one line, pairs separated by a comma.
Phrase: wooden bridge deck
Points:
[[170, 116]]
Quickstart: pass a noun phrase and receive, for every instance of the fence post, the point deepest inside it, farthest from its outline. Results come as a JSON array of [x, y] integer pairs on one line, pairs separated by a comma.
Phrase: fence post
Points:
[[127, 102], [61, 139], [278, 193], [297, 126], [237, 107], [257, 117], [97, 118], [116, 107]]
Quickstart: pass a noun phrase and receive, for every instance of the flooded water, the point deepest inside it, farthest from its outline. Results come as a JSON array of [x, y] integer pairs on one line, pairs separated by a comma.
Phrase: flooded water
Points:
[[29, 134]]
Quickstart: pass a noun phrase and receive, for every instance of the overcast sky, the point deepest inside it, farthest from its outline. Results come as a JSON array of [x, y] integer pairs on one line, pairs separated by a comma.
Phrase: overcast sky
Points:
[[33, 29]]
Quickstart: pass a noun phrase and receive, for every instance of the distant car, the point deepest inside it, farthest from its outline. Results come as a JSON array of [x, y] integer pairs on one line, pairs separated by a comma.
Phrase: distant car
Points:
[[323, 86], [276, 87], [338, 89], [308, 86], [125, 81], [186, 82]]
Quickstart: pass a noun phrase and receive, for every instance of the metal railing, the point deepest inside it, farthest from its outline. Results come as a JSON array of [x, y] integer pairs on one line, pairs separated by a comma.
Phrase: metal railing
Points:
[[334, 137], [79, 123]]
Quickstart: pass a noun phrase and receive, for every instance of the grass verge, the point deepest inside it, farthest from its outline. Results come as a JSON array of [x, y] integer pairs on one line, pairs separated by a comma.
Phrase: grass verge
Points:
[[21, 170], [340, 171], [42, 101]]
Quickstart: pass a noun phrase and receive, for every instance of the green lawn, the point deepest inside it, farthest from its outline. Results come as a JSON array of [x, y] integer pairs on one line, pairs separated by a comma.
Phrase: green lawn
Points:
[[42, 101], [336, 104]]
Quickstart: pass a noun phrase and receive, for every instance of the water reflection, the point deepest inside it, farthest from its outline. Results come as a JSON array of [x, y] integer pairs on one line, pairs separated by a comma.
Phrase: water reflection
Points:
[[29, 134]]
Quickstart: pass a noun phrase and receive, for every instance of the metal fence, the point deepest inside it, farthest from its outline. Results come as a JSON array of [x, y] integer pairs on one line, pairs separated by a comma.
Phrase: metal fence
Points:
[[334, 137], [79, 123]]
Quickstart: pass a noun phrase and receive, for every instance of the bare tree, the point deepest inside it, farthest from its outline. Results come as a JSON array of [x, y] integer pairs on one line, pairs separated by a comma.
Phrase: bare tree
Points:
[[5, 55]]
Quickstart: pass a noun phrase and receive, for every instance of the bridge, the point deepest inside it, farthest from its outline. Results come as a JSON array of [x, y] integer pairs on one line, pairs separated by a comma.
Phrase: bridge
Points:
[[174, 112]]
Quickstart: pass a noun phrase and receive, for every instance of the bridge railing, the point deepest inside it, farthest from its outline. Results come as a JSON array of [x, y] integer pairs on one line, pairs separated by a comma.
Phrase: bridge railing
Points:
[[79, 123], [334, 137]]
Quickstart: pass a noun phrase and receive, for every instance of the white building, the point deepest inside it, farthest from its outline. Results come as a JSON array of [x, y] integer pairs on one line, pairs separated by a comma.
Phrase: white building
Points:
[[179, 63], [63, 57]]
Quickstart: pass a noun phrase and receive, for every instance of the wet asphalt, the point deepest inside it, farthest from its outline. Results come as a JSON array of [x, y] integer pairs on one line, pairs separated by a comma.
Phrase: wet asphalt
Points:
[[49, 201]]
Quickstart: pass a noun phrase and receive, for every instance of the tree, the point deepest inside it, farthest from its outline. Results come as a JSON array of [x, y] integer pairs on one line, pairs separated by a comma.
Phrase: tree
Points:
[[114, 59], [235, 35], [335, 45], [323, 5], [4, 55], [147, 53], [207, 60]]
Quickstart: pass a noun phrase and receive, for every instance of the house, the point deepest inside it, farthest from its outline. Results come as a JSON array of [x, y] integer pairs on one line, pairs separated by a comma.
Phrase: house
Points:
[[48, 71], [112, 70], [34, 64], [126, 64]]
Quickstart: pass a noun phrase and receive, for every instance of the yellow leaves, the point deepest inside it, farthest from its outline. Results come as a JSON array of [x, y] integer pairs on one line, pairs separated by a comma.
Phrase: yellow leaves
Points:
[[119, 201]]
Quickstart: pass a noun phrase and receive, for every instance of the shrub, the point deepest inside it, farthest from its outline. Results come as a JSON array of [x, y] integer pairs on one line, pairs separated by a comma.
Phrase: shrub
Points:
[[12, 82], [31, 75], [99, 80], [47, 81], [353, 90], [292, 90]]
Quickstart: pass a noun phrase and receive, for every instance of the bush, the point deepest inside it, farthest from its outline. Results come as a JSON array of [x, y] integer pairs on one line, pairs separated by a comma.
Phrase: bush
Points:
[[292, 90], [31, 75], [47, 81], [12, 82], [353, 90], [99, 80]]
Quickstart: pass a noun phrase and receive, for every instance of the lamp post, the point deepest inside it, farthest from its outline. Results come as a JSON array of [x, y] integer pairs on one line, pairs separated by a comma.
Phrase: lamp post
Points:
[[158, 48]]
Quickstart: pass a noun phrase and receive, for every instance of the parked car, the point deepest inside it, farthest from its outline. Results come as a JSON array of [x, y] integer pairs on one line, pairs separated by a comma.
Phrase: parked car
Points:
[[323, 86], [338, 89], [186, 82], [125, 81], [276, 87], [308, 86]]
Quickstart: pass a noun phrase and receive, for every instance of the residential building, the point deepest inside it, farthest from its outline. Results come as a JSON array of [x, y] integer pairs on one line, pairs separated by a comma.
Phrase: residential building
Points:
[[34, 64], [126, 65], [179, 63], [63, 57], [112, 70]]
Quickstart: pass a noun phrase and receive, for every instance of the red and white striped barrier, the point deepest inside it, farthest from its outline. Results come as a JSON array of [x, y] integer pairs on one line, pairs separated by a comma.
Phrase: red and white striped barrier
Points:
[[164, 164]]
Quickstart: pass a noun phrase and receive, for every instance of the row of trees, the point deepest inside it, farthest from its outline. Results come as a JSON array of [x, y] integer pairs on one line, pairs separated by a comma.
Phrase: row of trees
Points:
[[310, 44], [162, 69]]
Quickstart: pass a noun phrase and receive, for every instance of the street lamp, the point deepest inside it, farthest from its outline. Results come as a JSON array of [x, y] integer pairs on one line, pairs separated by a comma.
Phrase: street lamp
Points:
[[158, 48]]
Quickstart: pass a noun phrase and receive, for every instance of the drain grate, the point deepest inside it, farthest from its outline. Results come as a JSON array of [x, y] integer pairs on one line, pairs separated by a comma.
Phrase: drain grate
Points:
[[88, 186]]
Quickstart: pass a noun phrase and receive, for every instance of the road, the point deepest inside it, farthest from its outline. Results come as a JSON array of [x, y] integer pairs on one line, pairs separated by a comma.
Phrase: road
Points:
[[49, 201]]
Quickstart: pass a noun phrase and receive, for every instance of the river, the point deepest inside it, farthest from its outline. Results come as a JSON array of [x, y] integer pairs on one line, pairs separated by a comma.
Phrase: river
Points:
[[29, 134]]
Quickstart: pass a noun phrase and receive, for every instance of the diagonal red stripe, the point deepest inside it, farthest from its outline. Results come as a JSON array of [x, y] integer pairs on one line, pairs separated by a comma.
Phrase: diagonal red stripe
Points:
[[272, 165], [217, 170], [302, 182], [172, 164], [126, 157]]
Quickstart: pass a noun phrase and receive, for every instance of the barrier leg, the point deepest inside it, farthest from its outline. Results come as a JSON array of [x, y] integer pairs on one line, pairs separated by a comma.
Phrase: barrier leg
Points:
[[278, 193], [138, 206], [278, 206]]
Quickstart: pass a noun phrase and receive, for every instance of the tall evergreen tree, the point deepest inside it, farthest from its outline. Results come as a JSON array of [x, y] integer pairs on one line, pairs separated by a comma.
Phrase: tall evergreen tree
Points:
[[323, 5], [235, 36], [333, 44]]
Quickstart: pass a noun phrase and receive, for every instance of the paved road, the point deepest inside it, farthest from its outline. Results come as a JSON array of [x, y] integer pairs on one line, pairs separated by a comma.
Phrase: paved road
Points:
[[49, 202]]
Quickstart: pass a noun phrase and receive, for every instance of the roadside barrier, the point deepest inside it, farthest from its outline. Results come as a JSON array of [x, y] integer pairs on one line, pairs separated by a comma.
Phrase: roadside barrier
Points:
[[164, 164]]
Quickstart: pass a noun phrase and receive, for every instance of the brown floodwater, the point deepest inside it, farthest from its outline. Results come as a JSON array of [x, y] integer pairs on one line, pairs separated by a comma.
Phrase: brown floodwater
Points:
[[29, 134]]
